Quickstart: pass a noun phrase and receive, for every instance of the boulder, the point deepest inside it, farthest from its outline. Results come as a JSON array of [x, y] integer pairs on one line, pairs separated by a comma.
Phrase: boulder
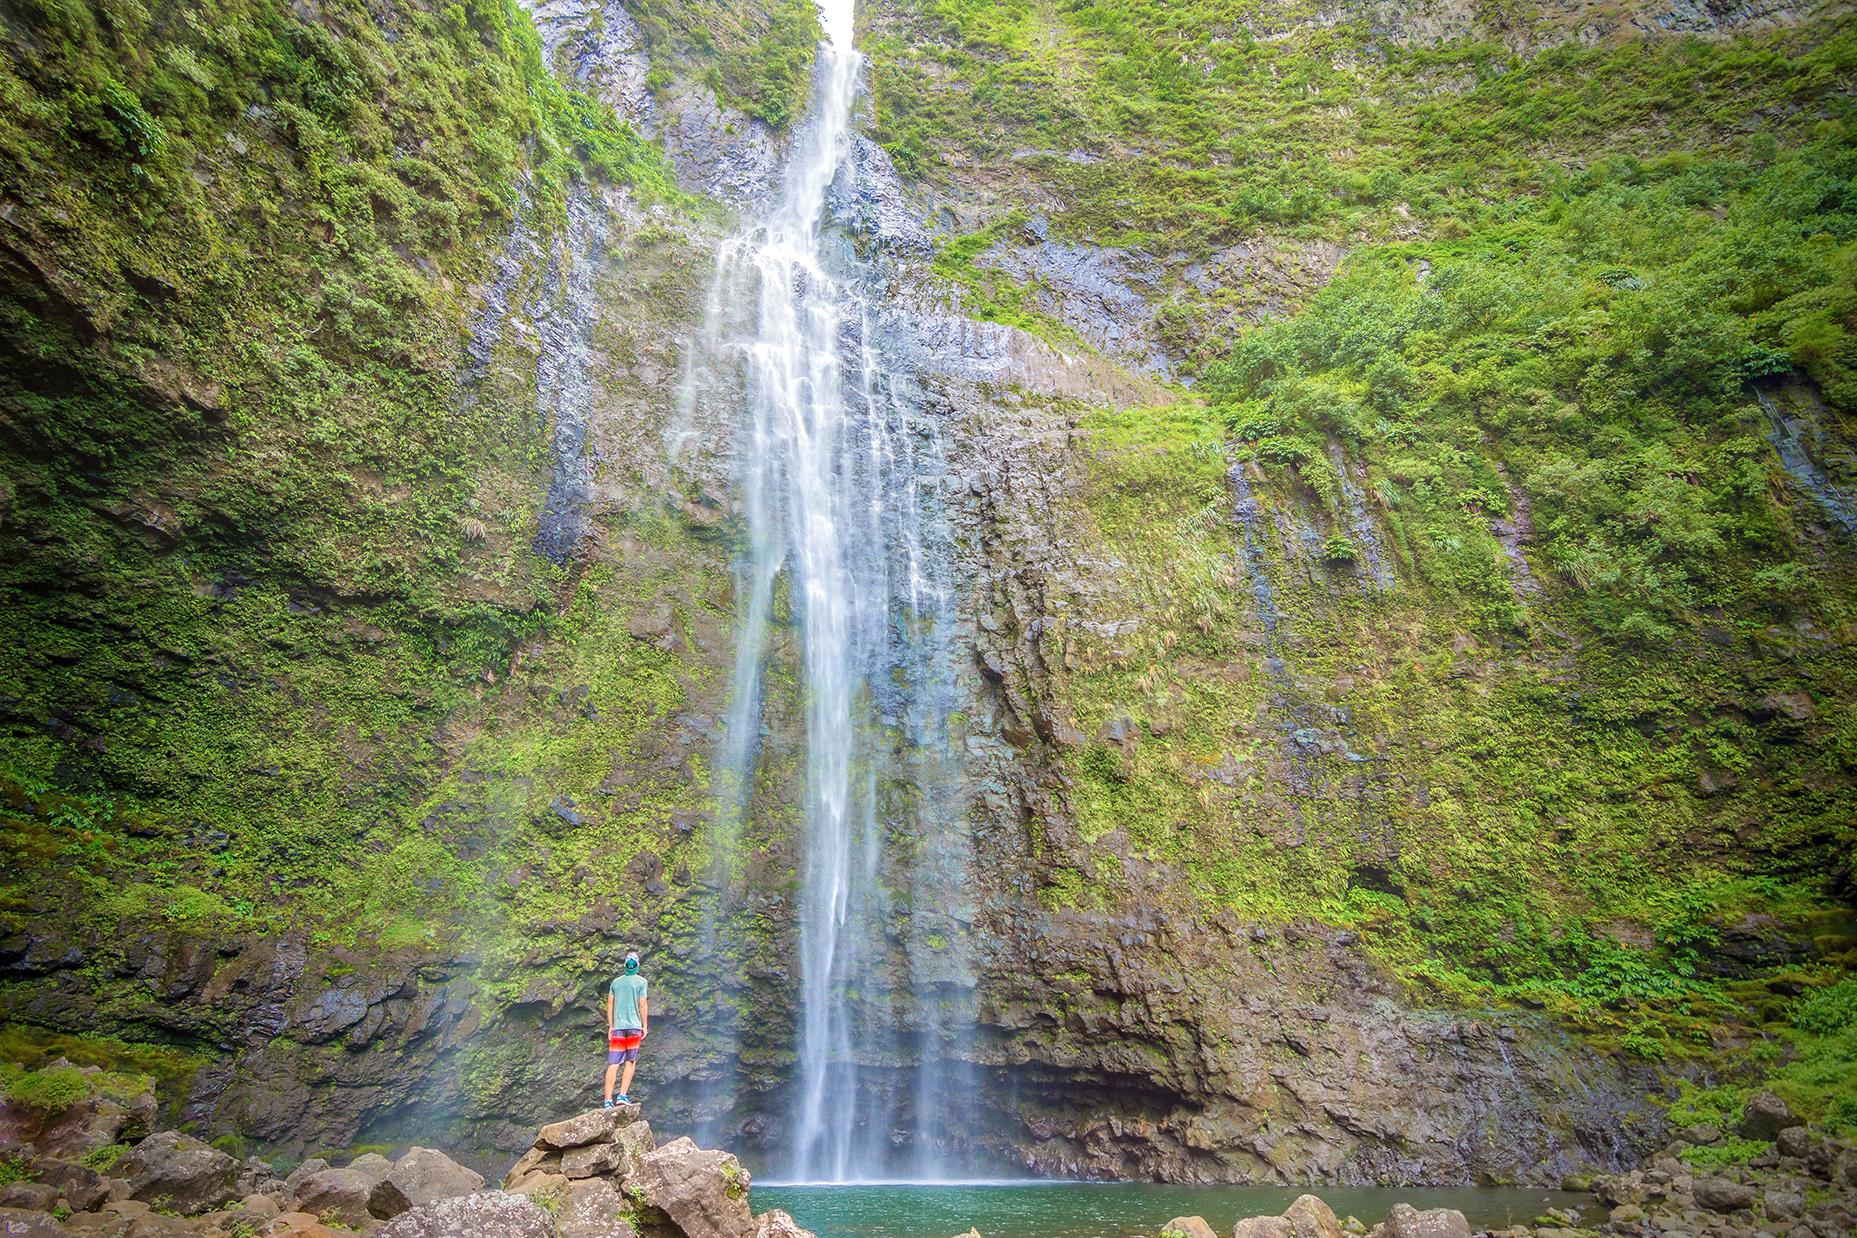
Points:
[[260, 1205], [1722, 1195], [1405, 1221], [777, 1224], [472, 1216], [339, 1195], [29, 1196], [1623, 1189], [422, 1176], [301, 1225], [703, 1191], [175, 1172], [535, 1160], [81, 1186], [1187, 1227], [84, 1126], [1783, 1205], [241, 1220], [594, 1126], [551, 1186], [593, 1210], [304, 1172], [30, 1223], [373, 1164], [1822, 1155], [1764, 1117], [1311, 1218], [1795, 1141], [256, 1177], [1263, 1227], [637, 1138], [153, 1225], [598, 1160], [1700, 1133]]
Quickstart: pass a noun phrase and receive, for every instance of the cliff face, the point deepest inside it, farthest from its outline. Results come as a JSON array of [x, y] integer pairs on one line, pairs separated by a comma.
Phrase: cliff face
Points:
[[1372, 763]]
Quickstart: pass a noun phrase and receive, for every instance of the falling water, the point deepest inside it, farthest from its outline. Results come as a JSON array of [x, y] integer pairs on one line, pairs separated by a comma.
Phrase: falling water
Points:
[[835, 466]]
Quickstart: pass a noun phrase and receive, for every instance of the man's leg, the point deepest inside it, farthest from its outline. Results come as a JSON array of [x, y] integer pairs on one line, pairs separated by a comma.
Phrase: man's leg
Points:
[[625, 1087], [614, 1070]]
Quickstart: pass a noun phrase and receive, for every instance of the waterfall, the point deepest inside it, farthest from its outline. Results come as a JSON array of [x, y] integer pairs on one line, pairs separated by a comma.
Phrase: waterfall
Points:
[[840, 479]]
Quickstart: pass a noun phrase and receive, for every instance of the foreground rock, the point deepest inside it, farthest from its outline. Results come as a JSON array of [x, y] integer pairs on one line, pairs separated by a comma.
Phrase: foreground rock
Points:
[[594, 1209], [604, 1174], [423, 1176], [597, 1175], [1186, 1227], [777, 1224], [472, 1216], [337, 1195], [1405, 1221], [1308, 1217], [178, 1173], [1764, 1117], [704, 1191], [1800, 1187]]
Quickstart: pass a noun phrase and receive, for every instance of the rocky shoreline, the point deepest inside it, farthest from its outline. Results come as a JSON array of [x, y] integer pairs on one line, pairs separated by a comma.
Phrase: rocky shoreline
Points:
[[97, 1168], [598, 1175]]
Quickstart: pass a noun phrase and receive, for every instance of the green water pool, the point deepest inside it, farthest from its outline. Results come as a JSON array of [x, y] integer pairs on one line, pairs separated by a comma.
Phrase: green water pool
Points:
[[1114, 1210]]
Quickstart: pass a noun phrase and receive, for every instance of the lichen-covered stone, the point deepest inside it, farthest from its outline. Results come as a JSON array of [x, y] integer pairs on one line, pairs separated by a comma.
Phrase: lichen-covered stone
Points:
[[704, 1191], [472, 1216]]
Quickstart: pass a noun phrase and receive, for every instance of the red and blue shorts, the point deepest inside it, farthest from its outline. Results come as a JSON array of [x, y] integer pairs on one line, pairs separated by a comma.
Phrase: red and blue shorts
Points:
[[622, 1044]]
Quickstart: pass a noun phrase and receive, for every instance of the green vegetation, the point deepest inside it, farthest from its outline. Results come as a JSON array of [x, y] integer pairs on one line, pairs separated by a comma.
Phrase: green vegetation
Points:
[[1727, 1152], [274, 541], [1828, 1011], [1820, 1076], [759, 60], [1598, 358], [105, 1158], [1200, 129], [1615, 407], [49, 1090]]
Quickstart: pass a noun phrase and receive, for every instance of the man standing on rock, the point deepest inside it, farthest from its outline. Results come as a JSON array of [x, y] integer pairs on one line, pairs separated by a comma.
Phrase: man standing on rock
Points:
[[627, 1015]]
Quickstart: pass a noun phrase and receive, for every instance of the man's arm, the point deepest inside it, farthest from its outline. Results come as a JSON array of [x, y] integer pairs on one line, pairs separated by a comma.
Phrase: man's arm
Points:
[[644, 1017]]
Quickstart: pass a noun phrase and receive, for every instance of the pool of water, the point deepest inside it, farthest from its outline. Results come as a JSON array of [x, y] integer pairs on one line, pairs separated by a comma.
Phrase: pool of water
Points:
[[1114, 1210]]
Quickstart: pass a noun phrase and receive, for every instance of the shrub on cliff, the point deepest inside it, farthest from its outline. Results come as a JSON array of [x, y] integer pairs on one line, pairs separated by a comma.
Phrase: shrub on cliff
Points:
[[1828, 1010]]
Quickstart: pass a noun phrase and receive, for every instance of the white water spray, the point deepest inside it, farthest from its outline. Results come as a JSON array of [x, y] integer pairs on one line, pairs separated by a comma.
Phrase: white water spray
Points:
[[814, 487], [840, 481]]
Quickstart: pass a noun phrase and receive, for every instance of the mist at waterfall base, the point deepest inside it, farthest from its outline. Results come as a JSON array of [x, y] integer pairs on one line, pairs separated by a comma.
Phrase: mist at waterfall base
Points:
[[1110, 1210], [838, 475]]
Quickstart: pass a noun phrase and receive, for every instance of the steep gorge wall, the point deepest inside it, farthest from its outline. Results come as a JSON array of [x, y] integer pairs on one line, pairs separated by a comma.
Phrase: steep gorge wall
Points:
[[325, 774]]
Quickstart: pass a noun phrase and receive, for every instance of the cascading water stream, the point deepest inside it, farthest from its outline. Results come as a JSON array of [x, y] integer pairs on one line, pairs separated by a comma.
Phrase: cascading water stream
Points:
[[833, 499]]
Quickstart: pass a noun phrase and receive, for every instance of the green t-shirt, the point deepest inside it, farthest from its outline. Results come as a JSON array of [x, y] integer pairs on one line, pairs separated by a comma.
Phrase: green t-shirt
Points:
[[628, 992]]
